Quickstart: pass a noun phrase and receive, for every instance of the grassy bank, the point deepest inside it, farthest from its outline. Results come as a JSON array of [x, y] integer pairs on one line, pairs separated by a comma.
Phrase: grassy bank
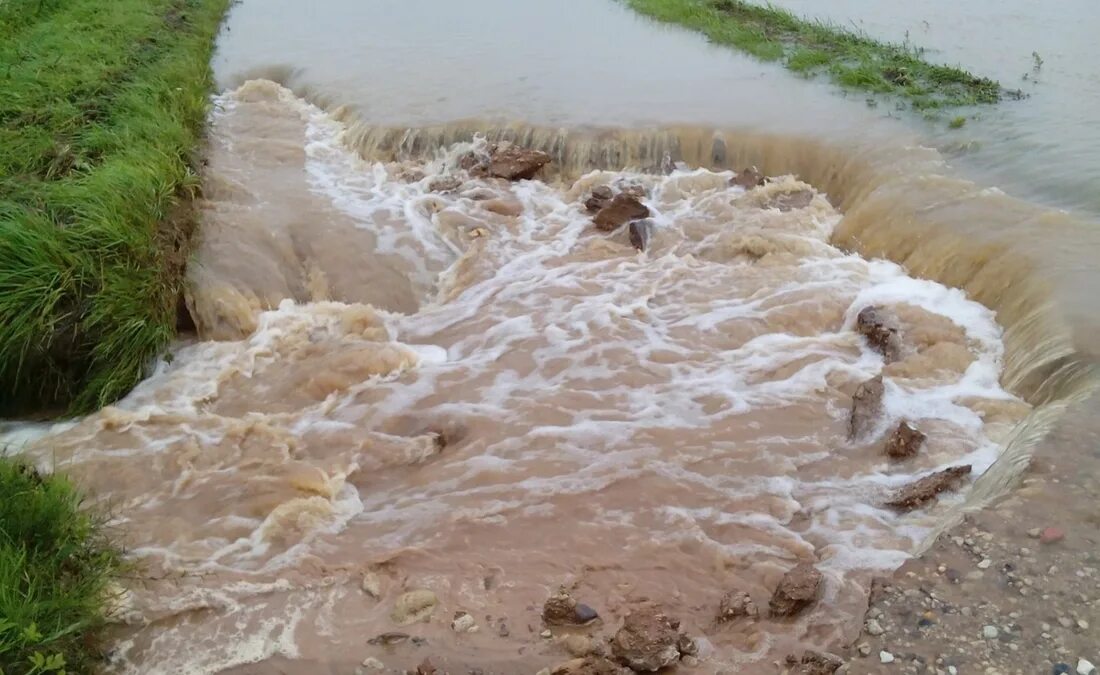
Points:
[[852, 60], [56, 569], [102, 109]]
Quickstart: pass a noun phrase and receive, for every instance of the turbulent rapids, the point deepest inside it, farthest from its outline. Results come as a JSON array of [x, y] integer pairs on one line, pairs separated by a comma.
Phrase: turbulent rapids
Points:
[[475, 393]]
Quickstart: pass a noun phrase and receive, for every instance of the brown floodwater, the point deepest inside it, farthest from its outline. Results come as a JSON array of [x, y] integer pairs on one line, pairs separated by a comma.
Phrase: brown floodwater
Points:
[[477, 393]]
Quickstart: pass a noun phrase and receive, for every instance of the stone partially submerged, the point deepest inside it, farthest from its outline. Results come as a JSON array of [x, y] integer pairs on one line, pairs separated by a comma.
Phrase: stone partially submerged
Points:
[[561, 609], [507, 161], [926, 489], [748, 178], [736, 605], [622, 209], [904, 442], [881, 329], [599, 197], [866, 407], [640, 233], [649, 641], [797, 590]]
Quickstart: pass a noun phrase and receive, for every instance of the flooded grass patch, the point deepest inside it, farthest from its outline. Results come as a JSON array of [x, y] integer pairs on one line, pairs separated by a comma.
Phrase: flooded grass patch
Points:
[[850, 59], [103, 108], [56, 569]]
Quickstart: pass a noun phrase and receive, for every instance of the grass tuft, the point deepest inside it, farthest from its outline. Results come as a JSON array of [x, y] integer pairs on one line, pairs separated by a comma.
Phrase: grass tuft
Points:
[[103, 108], [56, 573], [851, 59]]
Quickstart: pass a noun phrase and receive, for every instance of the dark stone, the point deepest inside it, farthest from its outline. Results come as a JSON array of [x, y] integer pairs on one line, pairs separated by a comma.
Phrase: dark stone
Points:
[[1061, 669], [584, 614], [599, 198], [904, 442], [640, 233], [511, 162], [866, 407], [925, 623], [796, 591], [927, 488], [882, 331], [388, 639], [620, 210]]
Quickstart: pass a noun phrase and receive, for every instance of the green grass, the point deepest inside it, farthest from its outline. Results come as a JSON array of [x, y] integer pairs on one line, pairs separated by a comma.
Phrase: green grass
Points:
[[102, 110], [957, 122], [56, 569], [851, 59]]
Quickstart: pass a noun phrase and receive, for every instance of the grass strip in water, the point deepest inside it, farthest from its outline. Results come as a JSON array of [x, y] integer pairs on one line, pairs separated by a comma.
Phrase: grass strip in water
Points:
[[852, 60], [56, 573], [102, 110]]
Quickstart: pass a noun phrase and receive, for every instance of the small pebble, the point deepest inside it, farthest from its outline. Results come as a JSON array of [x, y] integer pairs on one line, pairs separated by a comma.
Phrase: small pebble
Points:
[[886, 657], [1085, 667], [865, 649], [1082, 624], [990, 632], [985, 564], [1065, 621], [546, 634], [875, 628], [952, 670], [373, 663], [1061, 669], [1034, 532], [925, 623], [1052, 535]]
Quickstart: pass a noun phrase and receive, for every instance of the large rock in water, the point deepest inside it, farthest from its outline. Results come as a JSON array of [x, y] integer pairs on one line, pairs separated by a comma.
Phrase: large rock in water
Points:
[[796, 591], [866, 407], [882, 331], [640, 233], [925, 489], [511, 162], [622, 209], [648, 640], [748, 179], [600, 197], [735, 605], [561, 609], [904, 442]]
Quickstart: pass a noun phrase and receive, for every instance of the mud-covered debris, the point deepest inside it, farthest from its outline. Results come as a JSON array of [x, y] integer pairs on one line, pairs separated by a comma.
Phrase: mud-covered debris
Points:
[[463, 622], [924, 490], [387, 639], [414, 606], [881, 328], [561, 609], [599, 198], [818, 663], [649, 640], [620, 210], [444, 184], [904, 442], [425, 668], [640, 233], [736, 605], [589, 665], [866, 407], [796, 591], [512, 162], [748, 178], [372, 584]]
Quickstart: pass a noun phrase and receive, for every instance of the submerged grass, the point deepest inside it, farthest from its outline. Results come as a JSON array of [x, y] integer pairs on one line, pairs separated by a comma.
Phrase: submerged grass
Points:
[[852, 60], [102, 109], [56, 569]]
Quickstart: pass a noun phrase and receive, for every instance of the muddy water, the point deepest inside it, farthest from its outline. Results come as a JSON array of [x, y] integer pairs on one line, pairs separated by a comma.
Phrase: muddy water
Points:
[[478, 394]]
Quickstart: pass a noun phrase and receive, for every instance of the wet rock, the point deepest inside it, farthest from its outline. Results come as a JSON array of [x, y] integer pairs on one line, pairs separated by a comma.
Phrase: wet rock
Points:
[[444, 184], [425, 668], [874, 627], [647, 641], [583, 614], [885, 657], [686, 645], [748, 178], [735, 605], [789, 201], [503, 207], [512, 162], [1085, 667], [633, 190], [620, 210], [372, 663], [882, 331], [599, 198], [640, 232], [925, 489], [559, 609], [591, 665], [817, 663], [413, 607], [866, 407], [463, 623], [372, 585], [387, 639], [796, 591], [990, 632], [1051, 535], [904, 442]]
